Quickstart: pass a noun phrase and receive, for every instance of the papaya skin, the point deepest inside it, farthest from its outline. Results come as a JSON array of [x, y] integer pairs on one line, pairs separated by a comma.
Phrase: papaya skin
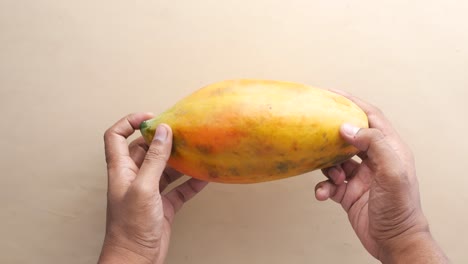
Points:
[[251, 131]]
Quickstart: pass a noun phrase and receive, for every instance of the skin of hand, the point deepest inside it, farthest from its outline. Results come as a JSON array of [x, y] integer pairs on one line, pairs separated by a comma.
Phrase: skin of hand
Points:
[[380, 193], [139, 217]]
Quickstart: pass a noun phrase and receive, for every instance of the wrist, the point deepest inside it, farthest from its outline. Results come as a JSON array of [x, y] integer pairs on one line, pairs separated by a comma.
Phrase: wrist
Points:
[[416, 248], [121, 255], [114, 251]]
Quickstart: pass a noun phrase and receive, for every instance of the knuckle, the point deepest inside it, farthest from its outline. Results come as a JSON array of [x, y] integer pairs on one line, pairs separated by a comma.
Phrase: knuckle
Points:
[[193, 188], [377, 135], [374, 110], [374, 139], [374, 114], [107, 134], [181, 195]]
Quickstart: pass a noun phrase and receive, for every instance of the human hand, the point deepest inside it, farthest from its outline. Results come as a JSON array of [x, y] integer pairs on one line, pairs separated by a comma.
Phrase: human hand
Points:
[[380, 194], [139, 217]]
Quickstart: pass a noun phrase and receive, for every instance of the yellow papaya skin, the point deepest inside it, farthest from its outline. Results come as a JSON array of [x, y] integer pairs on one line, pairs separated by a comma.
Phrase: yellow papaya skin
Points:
[[251, 131]]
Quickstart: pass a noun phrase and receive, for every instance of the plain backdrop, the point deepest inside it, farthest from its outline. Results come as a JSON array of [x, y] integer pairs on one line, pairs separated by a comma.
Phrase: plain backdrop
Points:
[[70, 69]]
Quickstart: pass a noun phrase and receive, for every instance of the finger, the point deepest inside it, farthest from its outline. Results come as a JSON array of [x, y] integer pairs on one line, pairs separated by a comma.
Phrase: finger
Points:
[[350, 167], [341, 173], [138, 149], [335, 173], [156, 158], [324, 190], [375, 116], [169, 176], [356, 187], [184, 192], [327, 190], [373, 143], [115, 138]]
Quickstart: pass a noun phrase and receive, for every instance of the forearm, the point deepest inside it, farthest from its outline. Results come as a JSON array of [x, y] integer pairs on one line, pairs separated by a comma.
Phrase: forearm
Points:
[[420, 248]]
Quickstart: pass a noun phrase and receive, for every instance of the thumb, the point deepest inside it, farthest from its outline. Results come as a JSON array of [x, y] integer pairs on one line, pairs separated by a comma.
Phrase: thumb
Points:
[[372, 142], [156, 157]]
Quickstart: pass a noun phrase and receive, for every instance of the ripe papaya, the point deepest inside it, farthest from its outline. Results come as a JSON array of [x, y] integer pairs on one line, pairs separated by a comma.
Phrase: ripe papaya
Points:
[[250, 131]]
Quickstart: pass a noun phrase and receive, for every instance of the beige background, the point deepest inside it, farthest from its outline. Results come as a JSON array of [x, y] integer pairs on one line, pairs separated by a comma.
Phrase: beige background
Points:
[[70, 69]]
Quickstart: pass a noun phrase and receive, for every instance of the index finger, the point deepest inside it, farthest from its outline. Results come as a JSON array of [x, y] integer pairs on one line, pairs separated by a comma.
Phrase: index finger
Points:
[[115, 138]]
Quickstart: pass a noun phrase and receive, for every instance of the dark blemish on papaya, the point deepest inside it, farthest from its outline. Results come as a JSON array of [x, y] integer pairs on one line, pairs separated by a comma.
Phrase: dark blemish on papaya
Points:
[[285, 166], [234, 171], [174, 152], [234, 133], [282, 167], [324, 135], [262, 149], [295, 146], [178, 138], [220, 91], [321, 162], [340, 159], [323, 165], [213, 174], [204, 149], [345, 145], [212, 170], [177, 143]]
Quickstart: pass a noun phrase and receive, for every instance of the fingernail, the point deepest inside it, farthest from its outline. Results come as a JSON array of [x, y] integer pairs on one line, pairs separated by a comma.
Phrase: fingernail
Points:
[[349, 129], [161, 133], [320, 190], [321, 194]]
